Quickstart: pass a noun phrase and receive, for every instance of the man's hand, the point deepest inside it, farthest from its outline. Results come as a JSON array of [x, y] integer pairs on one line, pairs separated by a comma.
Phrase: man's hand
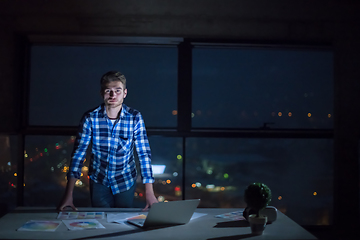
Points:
[[66, 202], [150, 196]]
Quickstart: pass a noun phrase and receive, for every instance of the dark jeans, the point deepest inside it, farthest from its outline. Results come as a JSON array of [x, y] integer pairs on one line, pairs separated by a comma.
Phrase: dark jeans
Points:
[[101, 196]]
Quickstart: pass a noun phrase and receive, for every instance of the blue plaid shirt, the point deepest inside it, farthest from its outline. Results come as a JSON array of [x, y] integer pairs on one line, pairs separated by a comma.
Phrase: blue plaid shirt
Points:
[[112, 157]]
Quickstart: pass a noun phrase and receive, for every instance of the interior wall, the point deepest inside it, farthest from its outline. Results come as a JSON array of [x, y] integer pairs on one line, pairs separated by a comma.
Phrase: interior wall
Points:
[[277, 21]]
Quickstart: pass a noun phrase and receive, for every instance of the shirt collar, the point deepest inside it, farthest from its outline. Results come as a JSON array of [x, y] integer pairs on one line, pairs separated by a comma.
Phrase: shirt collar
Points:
[[124, 111]]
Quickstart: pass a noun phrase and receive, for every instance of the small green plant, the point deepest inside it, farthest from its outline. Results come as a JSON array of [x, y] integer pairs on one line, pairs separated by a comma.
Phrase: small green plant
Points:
[[257, 196]]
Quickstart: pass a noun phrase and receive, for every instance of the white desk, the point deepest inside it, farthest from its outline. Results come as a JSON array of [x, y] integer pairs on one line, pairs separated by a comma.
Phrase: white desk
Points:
[[205, 227]]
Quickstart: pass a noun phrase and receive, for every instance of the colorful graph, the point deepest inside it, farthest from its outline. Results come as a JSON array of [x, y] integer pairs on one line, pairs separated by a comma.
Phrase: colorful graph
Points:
[[81, 215], [78, 224], [83, 224], [35, 225]]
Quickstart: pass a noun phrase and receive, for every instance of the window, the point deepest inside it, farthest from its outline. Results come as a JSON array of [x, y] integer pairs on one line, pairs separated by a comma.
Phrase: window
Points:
[[46, 164], [248, 87], [65, 82], [232, 89], [47, 161], [299, 173], [8, 172]]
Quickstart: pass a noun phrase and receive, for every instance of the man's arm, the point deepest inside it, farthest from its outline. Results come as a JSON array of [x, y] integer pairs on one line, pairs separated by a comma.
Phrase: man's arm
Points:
[[149, 195], [81, 144], [144, 154], [67, 200]]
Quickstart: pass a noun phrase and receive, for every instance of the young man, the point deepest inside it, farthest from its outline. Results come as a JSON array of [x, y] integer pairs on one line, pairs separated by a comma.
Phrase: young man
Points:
[[114, 129]]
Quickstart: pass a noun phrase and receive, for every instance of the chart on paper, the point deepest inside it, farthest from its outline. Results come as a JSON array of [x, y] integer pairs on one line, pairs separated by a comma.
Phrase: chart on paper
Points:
[[81, 215]]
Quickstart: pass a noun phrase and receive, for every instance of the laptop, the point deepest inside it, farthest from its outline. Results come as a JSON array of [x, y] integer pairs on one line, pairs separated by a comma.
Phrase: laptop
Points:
[[167, 213]]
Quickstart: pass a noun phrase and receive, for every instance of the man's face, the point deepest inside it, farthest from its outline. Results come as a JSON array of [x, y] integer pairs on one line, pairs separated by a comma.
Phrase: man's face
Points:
[[114, 94]]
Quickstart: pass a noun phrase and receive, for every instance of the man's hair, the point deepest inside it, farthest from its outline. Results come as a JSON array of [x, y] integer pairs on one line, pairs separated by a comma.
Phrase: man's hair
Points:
[[112, 76]]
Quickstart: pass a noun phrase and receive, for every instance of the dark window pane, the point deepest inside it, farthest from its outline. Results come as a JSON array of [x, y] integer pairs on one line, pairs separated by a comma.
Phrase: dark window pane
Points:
[[8, 173], [245, 88], [47, 162], [65, 82], [298, 171], [48, 157]]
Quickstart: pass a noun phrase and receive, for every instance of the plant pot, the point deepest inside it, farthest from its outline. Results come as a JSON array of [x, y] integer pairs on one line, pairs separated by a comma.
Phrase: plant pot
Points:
[[269, 211], [257, 224]]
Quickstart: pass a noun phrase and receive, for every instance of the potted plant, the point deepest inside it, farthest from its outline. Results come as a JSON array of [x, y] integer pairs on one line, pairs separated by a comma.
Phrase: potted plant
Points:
[[257, 197]]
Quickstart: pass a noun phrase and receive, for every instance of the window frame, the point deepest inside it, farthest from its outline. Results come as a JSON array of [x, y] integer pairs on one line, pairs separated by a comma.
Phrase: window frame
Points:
[[184, 128]]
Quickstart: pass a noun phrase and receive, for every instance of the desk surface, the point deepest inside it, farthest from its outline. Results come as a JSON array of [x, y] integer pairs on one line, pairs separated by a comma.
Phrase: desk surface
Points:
[[205, 227]]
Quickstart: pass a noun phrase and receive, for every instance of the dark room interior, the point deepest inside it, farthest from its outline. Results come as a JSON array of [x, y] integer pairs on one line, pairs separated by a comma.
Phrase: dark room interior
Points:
[[232, 92]]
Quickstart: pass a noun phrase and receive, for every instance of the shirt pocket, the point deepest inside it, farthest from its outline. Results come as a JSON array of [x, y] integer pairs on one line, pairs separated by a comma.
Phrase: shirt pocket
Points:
[[124, 144]]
